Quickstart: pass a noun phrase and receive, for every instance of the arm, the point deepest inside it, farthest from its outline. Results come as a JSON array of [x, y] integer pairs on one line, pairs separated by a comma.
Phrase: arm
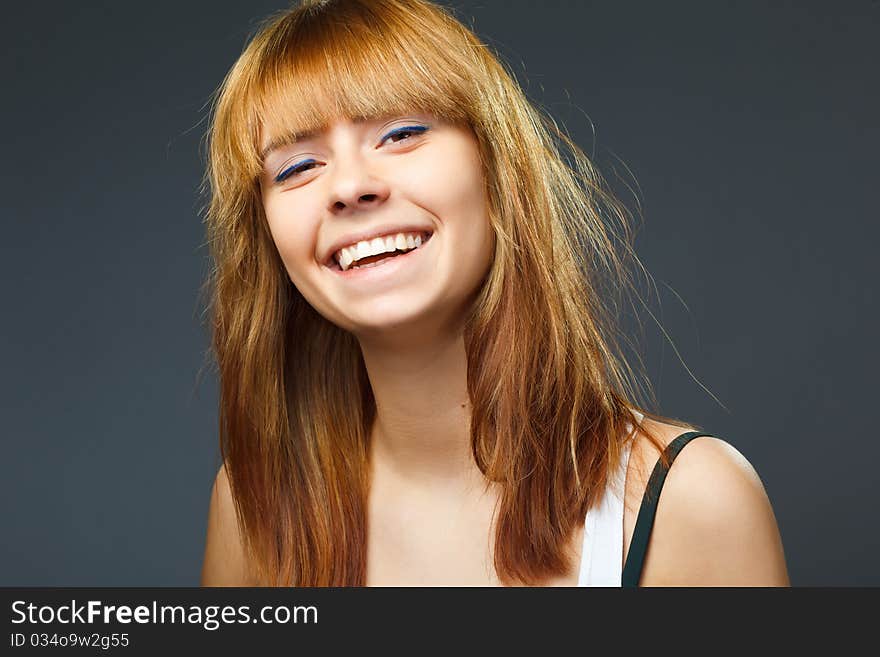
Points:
[[714, 525], [225, 563]]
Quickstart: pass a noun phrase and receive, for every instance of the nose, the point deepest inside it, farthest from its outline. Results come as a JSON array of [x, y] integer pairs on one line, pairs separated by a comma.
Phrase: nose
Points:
[[354, 185]]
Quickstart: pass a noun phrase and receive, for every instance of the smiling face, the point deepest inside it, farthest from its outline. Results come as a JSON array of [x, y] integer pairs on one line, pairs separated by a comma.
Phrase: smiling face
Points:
[[411, 174]]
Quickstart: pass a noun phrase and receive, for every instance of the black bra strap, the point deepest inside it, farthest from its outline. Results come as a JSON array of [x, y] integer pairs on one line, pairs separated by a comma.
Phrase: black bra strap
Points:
[[638, 547]]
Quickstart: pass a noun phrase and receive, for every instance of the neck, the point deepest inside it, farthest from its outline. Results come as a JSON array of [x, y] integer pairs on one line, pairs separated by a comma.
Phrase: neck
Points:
[[422, 428]]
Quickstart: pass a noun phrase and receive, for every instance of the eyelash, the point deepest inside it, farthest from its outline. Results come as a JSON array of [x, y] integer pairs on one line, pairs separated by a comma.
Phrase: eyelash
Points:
[[297, 168]]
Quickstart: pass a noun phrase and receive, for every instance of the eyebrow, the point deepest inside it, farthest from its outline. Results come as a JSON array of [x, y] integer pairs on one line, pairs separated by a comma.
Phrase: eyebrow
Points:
[[292, 137]]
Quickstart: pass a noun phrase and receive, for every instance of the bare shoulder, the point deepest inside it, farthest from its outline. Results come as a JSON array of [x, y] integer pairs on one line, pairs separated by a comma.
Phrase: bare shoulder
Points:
[[714, 525], [225, 562]]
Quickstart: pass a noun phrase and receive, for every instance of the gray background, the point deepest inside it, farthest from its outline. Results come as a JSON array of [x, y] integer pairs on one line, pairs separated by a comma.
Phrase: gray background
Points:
[[750, 129]]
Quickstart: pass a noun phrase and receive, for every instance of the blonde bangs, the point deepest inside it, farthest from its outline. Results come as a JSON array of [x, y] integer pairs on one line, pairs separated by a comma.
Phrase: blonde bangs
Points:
[[308, 70]]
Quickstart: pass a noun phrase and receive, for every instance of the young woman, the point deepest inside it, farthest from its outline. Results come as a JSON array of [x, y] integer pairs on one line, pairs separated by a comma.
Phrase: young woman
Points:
[[412, 303]]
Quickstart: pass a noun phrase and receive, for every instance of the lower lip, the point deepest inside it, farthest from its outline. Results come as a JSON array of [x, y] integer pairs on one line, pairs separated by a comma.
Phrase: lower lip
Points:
[[386, 268]]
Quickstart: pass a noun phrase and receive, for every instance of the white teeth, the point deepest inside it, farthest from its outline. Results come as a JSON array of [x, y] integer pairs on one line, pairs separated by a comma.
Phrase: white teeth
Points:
[[347, 255], [345, 258]]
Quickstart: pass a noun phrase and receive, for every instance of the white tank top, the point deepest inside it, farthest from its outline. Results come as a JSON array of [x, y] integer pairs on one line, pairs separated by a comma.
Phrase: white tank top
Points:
[[602, 551]]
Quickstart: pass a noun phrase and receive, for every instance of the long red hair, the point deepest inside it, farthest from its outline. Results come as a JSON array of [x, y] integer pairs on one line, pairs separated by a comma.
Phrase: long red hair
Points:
[[551, 396]]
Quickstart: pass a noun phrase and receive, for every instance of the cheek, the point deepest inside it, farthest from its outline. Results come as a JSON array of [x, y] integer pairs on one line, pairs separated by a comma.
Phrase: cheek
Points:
[[449, 182], [291, 232], [456, 194]]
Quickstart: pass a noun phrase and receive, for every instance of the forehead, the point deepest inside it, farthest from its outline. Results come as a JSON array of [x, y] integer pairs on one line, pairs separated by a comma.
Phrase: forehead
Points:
[[304, 102], [290, 99], [272, 137]]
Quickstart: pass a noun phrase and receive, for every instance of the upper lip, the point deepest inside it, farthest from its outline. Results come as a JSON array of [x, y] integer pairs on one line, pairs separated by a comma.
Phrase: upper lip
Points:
[[368, 234]]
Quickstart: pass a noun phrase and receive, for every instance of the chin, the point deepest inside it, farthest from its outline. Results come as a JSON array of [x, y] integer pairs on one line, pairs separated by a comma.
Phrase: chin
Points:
[[389, 316], [379, 318]]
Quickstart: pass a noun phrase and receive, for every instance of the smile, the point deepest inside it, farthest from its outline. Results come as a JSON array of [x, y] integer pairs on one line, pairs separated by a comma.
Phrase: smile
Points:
[[396, 252], [372, 251]]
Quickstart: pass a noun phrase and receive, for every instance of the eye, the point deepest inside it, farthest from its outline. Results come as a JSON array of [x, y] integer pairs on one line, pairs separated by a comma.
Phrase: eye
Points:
[[404, 131], [294, 169]]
